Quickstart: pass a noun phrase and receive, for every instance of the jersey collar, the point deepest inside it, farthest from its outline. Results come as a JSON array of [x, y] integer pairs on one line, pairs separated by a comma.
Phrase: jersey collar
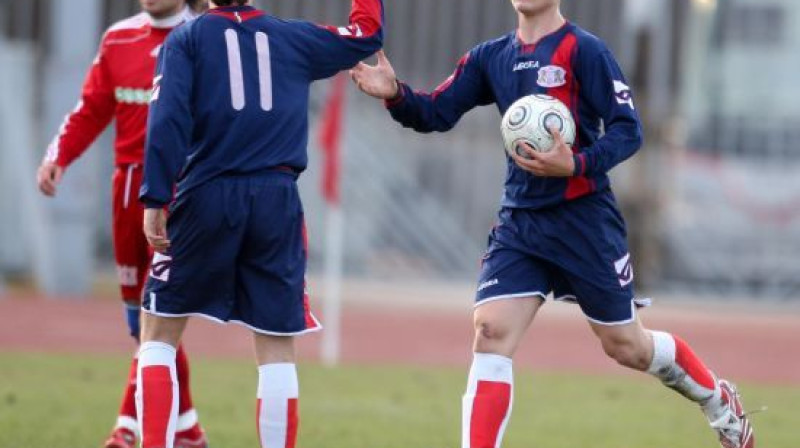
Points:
[[530, 47], [172, 21]]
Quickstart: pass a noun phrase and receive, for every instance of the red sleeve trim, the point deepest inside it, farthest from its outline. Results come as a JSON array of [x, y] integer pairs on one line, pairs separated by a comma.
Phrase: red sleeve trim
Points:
[[401, 96], [581, 168], [366, 20]]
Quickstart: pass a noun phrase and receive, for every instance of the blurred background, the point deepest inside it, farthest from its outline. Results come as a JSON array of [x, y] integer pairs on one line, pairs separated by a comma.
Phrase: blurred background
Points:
[[712, 200]]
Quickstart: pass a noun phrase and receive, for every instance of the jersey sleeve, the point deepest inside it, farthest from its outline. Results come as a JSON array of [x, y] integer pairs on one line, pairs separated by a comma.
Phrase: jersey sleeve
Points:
[[440, 110], [609, 97], [91, 116], [169, 125], [331, 49]]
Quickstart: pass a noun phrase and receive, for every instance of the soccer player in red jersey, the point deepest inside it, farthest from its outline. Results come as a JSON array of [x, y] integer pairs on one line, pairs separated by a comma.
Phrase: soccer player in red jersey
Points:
[[118, 87], [559, 230]]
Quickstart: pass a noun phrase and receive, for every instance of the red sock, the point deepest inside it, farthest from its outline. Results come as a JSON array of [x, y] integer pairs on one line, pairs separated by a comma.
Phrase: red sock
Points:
[[128, 406], [691, 363], [277, 414], [679, 368], [157, 394], [184, 391], [489, 410], [487, 401]]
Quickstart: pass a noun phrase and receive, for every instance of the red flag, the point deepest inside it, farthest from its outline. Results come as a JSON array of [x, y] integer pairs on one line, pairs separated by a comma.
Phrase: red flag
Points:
[[330, 137]]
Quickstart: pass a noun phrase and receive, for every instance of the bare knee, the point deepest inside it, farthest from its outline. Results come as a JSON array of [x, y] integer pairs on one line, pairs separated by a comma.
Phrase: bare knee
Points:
[[161, 329], [492, 336]]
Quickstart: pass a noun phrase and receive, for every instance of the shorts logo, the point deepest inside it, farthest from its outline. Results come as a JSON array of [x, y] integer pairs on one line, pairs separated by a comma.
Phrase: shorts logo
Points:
[[161, 267], [156, 88], [487, 284], [128, 275], [623, 94], [624, 270], [552, 76]]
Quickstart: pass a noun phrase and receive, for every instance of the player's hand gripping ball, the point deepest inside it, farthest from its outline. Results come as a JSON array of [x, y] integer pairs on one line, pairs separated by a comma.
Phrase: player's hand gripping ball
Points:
[[529, 119]]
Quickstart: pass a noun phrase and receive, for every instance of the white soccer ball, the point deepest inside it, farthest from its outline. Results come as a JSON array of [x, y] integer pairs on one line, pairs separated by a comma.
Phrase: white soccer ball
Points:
[[528, 121]]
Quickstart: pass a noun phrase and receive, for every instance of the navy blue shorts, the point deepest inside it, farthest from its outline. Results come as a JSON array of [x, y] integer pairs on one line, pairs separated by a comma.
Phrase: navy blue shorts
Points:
[[577, 251], [238, 254]]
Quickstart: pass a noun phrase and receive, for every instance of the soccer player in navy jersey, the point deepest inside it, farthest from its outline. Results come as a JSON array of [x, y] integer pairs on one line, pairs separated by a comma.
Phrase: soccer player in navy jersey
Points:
[[559, 229], [228, 123]]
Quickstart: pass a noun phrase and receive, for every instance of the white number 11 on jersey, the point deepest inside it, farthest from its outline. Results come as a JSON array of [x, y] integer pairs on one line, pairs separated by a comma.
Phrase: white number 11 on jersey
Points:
[[235, 70]]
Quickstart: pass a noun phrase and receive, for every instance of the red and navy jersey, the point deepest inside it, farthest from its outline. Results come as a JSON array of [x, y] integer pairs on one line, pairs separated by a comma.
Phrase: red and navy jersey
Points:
[[231, 93], [117, 87], [569, 64]]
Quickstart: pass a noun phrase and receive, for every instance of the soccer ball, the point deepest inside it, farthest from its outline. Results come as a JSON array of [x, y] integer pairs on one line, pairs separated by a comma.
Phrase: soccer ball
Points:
[[528, 120]]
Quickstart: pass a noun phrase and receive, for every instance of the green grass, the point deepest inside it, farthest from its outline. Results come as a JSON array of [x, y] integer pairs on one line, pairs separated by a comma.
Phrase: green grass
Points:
[[70, 401]]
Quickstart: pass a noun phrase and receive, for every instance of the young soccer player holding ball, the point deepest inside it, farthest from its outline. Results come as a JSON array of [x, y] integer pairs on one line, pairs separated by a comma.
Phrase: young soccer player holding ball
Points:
[[559, 229]]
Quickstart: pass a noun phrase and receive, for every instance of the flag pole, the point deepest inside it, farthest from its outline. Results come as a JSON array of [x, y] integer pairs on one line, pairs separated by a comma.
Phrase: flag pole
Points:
[[332, 307], [330, 141]]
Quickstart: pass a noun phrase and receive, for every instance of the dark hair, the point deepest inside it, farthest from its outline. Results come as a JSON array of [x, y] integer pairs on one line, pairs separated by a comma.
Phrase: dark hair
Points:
[[229, 2], [198, 5]]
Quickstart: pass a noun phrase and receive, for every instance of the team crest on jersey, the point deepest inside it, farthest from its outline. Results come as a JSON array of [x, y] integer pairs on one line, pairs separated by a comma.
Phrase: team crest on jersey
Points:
[[161, 266], [552, 76]]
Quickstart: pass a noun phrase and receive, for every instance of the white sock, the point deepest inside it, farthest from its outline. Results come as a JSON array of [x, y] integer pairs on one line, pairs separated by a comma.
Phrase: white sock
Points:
[[157, 394], [187, 420], [675, 371], [486, 406], [278, 391]]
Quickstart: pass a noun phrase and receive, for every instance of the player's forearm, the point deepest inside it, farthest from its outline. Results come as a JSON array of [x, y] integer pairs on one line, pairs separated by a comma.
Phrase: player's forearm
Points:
[[79, 130], [622, 140], [157, 188], [417, 111]]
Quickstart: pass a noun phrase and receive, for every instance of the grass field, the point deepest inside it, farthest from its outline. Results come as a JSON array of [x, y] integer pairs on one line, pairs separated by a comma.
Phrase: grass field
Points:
[[70, 402]]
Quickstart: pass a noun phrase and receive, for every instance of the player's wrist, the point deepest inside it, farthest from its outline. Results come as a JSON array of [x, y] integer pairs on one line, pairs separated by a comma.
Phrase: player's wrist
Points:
[[398, 95], [579, 167]]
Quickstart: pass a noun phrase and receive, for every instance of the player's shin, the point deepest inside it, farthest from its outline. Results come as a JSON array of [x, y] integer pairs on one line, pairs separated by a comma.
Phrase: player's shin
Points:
[[277, 411], [679, 368], [486, 406], [157, 394]]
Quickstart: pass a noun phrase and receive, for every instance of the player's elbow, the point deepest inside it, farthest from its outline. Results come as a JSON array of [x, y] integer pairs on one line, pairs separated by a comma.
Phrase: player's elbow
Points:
[[636, 137]]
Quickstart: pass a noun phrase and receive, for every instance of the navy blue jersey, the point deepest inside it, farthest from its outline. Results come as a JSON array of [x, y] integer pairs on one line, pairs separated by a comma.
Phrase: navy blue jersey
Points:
[[569, 64], [231, 93]]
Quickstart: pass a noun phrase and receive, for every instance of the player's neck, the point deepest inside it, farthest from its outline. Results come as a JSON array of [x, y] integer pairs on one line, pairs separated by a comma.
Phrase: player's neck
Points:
[[169, 19], [533, 27]]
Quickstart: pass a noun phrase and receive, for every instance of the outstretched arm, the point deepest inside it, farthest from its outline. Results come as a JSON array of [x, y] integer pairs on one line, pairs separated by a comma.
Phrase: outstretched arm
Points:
[[426, 112], [332, 49]]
